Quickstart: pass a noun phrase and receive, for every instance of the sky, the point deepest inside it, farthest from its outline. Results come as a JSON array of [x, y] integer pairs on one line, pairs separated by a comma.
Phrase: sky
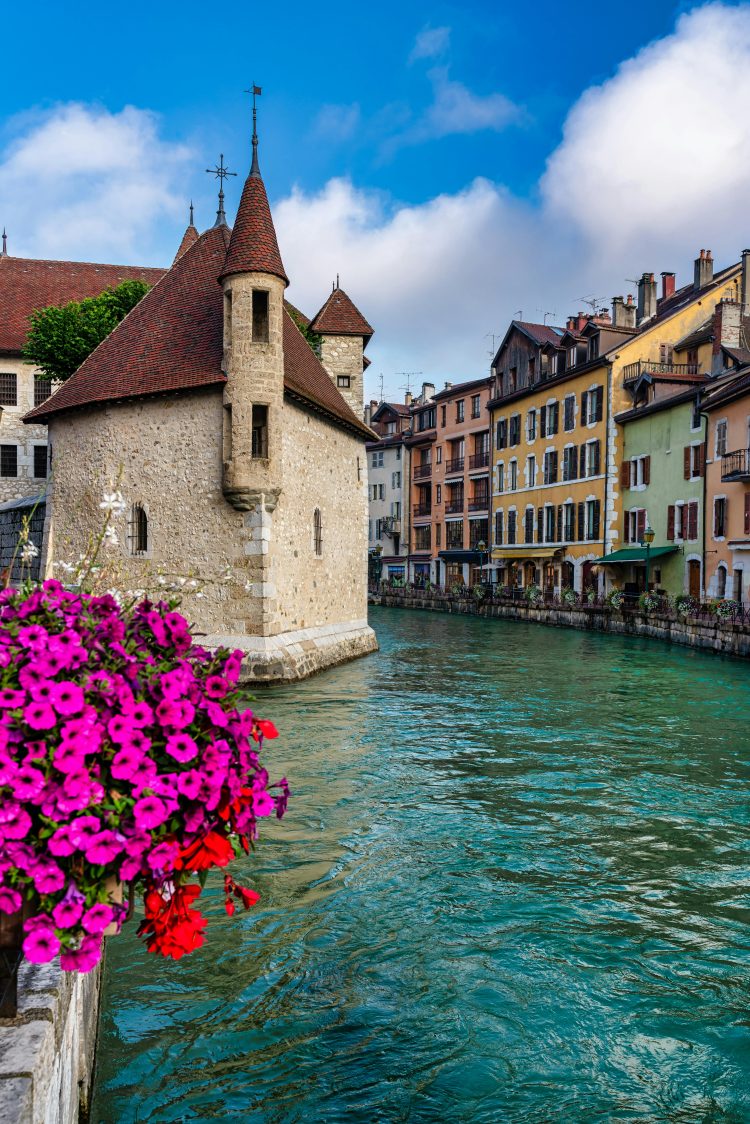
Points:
[[457, 164]]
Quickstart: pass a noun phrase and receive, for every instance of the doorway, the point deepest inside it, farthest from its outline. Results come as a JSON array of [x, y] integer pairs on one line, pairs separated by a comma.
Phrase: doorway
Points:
[[694, 579]]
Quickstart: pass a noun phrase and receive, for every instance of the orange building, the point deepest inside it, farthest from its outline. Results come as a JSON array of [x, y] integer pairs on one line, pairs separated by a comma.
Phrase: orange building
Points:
[[727, 519]]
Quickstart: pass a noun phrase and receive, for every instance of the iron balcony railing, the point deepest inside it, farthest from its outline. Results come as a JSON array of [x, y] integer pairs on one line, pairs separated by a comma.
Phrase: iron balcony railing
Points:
[[633, 371], [454, 507], [421, 510], [422, 544], [454, 465], [455, 543], [479, 460], [479, 503], [422, 470], [391, 525], [736, 465]]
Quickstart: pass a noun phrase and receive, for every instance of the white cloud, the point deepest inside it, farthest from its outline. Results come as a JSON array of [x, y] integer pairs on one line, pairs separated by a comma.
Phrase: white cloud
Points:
[[82, 182], [430, 43]]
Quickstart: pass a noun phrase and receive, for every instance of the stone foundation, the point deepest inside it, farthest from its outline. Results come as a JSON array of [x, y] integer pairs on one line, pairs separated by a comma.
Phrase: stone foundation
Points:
[[295, 655], [47, 1051]]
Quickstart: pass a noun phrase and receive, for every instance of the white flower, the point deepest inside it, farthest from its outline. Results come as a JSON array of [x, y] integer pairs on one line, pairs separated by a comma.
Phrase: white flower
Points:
[[113, 502], [28, 553], [161, 580], [248, 587], [110, 537]]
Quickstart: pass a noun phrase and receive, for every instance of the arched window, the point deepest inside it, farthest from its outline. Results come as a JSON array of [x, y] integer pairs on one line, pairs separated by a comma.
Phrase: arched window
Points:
[[317, 531], [721, 582], [138, 530]]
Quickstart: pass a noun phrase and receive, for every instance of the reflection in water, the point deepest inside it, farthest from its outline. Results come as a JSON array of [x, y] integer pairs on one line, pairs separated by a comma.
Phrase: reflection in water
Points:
[[511, 886]]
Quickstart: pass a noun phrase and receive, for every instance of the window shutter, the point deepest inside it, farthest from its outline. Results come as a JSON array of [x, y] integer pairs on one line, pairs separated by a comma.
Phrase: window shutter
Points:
[[641, 523], [701, 456], [670, 522], [625, 474], [502, 431], [559, 523], [555, 413], [747, 513], [543, 421], [597, 458], [626, 528], [647, 470], [716, 517], [582, 463], [686, 462], [581, 522], [692, 533], [599, 403], [584, 407], [597, 519], [554, 467], [540, 524]]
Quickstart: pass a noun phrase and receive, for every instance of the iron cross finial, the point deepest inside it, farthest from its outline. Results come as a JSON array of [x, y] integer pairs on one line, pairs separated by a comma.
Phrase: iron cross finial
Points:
[[256, 91], [221, 174]]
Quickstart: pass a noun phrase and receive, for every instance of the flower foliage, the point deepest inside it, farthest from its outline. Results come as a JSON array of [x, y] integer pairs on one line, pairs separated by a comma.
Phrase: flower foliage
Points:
[[125, 757]]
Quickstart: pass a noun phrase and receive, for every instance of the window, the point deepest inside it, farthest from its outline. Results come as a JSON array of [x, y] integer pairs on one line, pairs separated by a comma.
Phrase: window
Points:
[[572, 356], [593, 347], [513, 482], [720, 517], [381, 491], [548, 423], [694, 461], [345, 381], [531, 471], [513, 379], [138, 530], [260, 432], [501, 434], [395, 479], [515, 430], [592, 458], [528, 525], [398, 454], [532, 369], [549, 524], [377, 460], [460, 410], [42, 390], [8, 460], [665, 354], [454, 534], [635, 524], [427, 419], [9, 389], [531, 425], [438, 534], [443, 410], [593, 508], [498, 528], [396, 509], [260, 315], [40, 461], [569, 510], [721, 438], [570, 463], [695, 421], [569, 412], [511, 527], [550, 467], [318, 531], [438, 493], [423, 538], [475, 405], [636, 472], [592, 405], [501, 477], [439, 455]]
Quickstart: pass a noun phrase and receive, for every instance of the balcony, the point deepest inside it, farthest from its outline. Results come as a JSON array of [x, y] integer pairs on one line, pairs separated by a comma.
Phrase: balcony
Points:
[[736, 466], [422, 545], [422, 470], [633, 371], [455, 507], [479, 460], [454, 465], [422, 511], [391, 525], [479, 502], [455, 542]]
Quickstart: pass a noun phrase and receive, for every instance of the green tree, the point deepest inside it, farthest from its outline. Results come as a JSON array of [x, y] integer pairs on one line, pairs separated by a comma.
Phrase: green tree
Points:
[[62, 336], [313, 338]]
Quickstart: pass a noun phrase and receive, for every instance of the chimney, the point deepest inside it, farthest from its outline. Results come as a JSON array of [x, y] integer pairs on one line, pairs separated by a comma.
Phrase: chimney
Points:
[[623, 315], [746, 282], [428, 391], [449, 386], [646, 298], [368, 413], [667, 285], [726, 331], [407, 398], [703, 270]]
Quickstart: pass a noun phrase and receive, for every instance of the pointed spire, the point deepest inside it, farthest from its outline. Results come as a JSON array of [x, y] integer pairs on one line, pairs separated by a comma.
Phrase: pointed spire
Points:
[[255, 167], [4, 252], [221, 174], [189, 237], [191, 223]]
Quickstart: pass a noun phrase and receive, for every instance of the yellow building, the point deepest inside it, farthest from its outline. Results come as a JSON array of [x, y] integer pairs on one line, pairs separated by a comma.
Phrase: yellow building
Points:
[[557, 500]]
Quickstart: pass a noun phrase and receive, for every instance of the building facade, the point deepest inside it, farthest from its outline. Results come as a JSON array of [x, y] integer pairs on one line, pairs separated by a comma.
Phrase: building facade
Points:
[[388, 491], [420, 444], [727, 525], [239, 459]]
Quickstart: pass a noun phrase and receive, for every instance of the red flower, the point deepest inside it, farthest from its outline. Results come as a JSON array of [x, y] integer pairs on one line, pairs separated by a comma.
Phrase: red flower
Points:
[[262, 727], [212, 850]]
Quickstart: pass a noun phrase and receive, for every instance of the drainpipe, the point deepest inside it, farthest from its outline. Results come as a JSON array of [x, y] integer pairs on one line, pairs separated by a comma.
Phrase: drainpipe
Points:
[[606, 466], [705, 493]]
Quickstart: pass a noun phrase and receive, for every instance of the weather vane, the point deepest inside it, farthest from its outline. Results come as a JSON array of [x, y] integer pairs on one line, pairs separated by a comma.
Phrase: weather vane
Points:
[[221, 174], [255, 91]]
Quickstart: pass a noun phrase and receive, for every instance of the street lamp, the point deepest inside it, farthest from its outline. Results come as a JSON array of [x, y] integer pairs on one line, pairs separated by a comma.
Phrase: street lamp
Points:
[[648, 537], [481, 547]]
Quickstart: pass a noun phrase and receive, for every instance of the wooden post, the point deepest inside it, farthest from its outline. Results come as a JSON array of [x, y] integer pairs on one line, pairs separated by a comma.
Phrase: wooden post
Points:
[[11, 939]]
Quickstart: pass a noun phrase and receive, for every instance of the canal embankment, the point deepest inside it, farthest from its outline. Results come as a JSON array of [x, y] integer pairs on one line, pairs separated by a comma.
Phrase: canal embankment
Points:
[[706, 631], [47, 1050]]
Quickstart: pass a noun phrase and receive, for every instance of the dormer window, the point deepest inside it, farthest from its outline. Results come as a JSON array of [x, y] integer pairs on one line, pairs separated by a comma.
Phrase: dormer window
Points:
[[260, 315], [594, 347]]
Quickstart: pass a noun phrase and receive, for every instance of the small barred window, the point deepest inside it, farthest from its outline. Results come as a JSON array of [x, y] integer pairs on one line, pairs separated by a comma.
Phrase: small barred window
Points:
[[40, 461], [42, 390], [8, 389], [318, 531], [138, 530], [8, 460]]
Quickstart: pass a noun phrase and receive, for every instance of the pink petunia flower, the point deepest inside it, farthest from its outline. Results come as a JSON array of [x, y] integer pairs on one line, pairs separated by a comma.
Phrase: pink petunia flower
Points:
[[163, 857], [48, 878], [139, 713], [10, 699], [102, 848], [181, 747], [66, 914], [33, 637], [41, 945], [40, 716], [215, 687], [150, 812], [126, 763], [82, 959], [67, 698], [15, 822], [10, 900], [68, 758], [28, 783], [96, 919], [190, 783]]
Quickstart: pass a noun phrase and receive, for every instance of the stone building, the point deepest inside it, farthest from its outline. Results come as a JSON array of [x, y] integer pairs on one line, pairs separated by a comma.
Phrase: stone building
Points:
[[27, 284], [388, 490], [237, 453]]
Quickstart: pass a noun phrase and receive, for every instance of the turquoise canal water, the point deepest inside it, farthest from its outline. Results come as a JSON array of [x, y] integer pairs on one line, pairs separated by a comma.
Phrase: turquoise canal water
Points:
[[511, 887]]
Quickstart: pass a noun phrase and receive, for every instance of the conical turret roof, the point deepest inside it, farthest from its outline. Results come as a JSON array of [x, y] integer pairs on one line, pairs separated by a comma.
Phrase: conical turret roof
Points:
[[253, 247], [339, 316], [189, 237]]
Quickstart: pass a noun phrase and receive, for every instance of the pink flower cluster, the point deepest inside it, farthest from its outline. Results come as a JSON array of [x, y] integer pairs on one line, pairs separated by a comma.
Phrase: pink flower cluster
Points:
[[123, 747]]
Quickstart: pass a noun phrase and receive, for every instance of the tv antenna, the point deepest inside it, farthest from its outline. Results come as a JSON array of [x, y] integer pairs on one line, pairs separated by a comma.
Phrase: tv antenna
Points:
[[493, 336], [594, 303], [408, 375], [381, 388], [545, 314]]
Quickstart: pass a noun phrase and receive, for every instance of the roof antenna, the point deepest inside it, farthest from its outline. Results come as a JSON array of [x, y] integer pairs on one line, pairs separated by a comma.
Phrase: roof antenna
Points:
[[337, 281], [4, 253], [256, 91], [221, 174], [191, 213]]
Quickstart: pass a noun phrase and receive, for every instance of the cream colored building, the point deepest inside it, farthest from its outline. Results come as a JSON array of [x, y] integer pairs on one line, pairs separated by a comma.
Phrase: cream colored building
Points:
[[240, 460]]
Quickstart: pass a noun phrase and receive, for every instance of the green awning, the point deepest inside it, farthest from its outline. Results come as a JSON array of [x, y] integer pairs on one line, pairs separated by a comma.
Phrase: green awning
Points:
[[634, 554]]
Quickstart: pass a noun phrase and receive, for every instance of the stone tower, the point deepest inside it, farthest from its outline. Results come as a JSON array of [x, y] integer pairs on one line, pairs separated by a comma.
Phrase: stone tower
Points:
[[253, 281], [345, 334]]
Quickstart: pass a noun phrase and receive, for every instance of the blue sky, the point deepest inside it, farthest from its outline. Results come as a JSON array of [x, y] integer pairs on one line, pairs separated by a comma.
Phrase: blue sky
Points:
[[444, 158]]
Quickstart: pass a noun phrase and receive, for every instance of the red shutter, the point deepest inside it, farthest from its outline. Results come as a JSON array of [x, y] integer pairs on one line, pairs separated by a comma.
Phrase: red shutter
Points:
[[686, 462], [625, 474], [701, 456], [641, 525], [584, 407], [670, 522], [747, 513], [647, 470], [692, 531]]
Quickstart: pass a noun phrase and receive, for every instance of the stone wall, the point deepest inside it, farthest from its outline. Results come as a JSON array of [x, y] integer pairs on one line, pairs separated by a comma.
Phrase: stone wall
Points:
[[47, 1051], [344, 355], [707, 633], [24, 437]]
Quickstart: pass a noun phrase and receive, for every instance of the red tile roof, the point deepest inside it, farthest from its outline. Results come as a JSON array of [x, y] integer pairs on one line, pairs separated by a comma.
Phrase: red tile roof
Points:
[[339, 316], [173, 340], [27, 284], [542, 333], [191, 235], [253, 247]]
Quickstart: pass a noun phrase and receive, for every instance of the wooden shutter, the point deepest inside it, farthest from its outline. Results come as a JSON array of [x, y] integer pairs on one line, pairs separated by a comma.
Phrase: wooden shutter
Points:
[[692, 521], [543, 421], [597, 458], [641, 523], [555, 415], [582, 463], [701, 457], [670, 522], [626, 528], [502, 439], [647, 470], [747, 513], [625, 474], [540, 524], [717, 506], [581, 522], [559, 523], [584, 407], [686, 462], [554, 467], [599, 403], [597, 519]]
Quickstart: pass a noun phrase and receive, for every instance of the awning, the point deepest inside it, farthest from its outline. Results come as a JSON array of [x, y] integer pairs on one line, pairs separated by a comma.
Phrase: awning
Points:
[[634, 554], [523, 554], [462, 555]]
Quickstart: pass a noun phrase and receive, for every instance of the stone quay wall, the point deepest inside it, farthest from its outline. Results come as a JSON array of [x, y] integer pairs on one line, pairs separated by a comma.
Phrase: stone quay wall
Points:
[[709, 633], [47, 1050]]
